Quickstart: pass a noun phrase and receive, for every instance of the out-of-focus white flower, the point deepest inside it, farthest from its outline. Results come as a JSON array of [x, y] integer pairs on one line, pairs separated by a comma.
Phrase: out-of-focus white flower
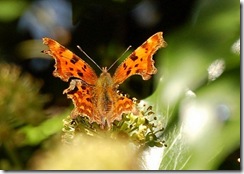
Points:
[[236, 47], [216, 69]]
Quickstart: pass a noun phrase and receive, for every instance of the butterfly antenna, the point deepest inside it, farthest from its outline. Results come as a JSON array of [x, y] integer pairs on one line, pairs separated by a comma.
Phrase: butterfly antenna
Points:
[[88, 57], [119, 57]]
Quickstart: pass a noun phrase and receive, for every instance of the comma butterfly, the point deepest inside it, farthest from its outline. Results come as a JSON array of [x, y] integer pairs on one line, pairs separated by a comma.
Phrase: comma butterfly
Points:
[[97, 97]]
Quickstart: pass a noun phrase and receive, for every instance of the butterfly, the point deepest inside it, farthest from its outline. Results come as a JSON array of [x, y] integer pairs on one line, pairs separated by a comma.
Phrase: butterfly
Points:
[[97, 97]]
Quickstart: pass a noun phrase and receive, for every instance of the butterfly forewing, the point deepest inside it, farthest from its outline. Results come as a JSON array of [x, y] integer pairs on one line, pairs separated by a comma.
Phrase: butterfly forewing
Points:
[[68, 65], [140, 61]]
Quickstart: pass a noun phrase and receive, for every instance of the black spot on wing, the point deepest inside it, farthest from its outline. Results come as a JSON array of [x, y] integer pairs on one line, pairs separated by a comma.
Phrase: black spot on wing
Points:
[[128, 72], [133, 57], [124, 66], [80, 73], [88, 99], [84, 68], [74, 59]]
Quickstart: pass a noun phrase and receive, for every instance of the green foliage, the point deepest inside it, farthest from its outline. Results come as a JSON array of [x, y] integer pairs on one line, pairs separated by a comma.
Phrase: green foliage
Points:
[[20, 105], [198, 89], [6, 9]]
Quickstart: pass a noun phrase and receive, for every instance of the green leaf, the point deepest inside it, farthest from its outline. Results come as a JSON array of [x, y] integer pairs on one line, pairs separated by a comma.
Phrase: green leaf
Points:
[[201, 113]]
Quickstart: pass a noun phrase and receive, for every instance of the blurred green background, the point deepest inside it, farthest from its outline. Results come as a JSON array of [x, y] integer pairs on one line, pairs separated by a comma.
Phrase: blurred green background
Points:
[[196, 92]]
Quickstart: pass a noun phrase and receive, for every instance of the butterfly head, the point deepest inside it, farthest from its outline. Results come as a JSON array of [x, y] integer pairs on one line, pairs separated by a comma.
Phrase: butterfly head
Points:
[[105, 78], [104, 69]]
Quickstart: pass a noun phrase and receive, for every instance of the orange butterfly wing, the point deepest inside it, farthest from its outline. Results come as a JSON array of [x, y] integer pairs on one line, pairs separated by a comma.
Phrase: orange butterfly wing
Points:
[[140, 61], [83, 78], [68, 65], [81, 95], [123, 105]]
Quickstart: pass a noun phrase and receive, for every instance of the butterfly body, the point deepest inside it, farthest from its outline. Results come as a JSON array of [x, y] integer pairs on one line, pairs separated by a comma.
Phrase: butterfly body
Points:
[[105, 96], [97, 97]]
